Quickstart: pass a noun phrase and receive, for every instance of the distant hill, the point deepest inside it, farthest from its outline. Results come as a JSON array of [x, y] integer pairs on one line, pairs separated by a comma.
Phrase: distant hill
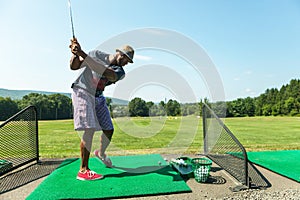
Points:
[[18, 94]]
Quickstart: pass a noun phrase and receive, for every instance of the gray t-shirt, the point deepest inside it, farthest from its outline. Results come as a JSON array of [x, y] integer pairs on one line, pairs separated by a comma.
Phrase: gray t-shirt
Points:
[[88, 79]]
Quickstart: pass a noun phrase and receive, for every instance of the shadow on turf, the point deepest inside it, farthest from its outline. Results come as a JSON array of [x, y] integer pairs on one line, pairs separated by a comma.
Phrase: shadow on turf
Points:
[[163, 170], [25, 175]]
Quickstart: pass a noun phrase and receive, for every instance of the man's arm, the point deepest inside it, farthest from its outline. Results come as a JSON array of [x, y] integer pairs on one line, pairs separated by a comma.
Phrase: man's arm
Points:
[[110, 75], [119, 72], [75, 62], [98, 67]]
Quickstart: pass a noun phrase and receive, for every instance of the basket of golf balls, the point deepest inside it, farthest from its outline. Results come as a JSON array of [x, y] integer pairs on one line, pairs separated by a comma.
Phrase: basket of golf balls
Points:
[[5, 166], [201, 167]]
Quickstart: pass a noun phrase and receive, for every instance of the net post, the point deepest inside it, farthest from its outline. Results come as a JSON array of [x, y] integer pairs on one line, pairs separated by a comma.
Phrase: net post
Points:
[[36, 134], [204, 129]]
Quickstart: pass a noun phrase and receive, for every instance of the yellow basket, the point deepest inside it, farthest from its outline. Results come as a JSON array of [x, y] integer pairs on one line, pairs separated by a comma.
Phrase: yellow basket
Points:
[[201, 167]]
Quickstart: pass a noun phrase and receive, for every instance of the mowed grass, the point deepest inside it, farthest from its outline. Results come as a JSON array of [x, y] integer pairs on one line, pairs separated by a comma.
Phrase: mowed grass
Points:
[[57, 139], [266, 133]]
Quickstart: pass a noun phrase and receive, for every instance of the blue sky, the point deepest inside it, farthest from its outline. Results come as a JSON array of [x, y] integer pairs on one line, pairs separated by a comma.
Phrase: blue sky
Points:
[[254, 45]]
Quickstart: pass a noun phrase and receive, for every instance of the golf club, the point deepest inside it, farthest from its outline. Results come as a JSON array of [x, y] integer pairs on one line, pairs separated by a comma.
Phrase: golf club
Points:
[[70, 11]]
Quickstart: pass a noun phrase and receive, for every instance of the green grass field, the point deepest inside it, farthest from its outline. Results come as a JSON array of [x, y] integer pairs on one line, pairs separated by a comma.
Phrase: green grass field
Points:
[[58, 139]]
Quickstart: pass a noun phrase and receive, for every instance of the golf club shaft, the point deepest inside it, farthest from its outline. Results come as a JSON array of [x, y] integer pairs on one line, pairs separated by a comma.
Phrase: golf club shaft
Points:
[[70, 10]]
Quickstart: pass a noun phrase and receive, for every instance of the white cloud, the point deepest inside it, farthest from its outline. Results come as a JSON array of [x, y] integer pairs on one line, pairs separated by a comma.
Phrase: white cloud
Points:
[[143, 58], [248, 90], [249, 72], [270, 75]]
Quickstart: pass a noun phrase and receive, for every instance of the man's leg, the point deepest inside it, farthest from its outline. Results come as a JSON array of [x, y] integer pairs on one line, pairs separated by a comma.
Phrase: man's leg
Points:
[[85, 173], [105, 122], [84, 116], [85, 148], [105, 141]]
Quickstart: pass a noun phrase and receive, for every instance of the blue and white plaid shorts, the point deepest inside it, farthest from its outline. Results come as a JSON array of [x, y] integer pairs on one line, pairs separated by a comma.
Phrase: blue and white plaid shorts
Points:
[[103, 114]]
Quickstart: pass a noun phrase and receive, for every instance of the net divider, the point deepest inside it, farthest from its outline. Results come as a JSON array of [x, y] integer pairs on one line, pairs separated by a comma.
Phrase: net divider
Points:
[[231, 171], [30, 116]]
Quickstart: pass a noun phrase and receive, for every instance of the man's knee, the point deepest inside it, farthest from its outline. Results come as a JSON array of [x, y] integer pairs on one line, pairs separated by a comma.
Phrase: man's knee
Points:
[[108, 133]]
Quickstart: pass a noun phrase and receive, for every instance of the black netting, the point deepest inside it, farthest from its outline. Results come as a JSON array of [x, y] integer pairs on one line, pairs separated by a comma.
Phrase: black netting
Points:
[[224, 149], [27, 174], [18, 140]]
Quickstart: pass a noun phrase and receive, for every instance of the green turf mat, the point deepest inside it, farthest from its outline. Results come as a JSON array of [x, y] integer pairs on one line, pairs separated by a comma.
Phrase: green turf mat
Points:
[[138, 175], [286, 163]]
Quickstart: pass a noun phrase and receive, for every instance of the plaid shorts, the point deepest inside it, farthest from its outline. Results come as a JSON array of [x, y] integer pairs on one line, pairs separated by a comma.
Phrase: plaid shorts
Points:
[[84, 110], [103, 114]]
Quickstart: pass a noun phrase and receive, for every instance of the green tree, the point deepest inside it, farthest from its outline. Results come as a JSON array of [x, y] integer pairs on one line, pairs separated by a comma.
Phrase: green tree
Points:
[[237, 108], [173, 108], [8, 108], [267, 110], [162, 109], [37, 100], [153, 109], [149, 104], [292, 105], [162, 104], [249, 107], [60, 106], [220, 108], [138, 107], [55, 106]]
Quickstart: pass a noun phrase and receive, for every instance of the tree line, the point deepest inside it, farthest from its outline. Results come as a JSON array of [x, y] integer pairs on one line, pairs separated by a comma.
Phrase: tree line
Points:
[[273, 102], [49, 107]]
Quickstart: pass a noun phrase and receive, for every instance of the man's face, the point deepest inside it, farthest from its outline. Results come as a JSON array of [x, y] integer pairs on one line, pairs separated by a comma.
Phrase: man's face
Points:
[[122, 60]]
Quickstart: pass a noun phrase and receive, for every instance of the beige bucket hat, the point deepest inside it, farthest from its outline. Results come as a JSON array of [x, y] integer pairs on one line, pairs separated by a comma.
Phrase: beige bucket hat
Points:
[[128, 51]]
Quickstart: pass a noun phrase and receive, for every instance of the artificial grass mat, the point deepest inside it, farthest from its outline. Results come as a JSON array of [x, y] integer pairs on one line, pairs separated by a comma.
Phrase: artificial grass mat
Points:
[[137, 175], [286, 163]]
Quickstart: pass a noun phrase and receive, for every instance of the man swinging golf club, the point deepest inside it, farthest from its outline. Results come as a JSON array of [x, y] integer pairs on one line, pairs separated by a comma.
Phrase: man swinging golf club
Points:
[[98, 70]]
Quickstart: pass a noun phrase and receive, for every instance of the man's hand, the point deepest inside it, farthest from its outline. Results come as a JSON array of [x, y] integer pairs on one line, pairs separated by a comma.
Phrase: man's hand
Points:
[[75, 47], [75, 61], [82, 57]]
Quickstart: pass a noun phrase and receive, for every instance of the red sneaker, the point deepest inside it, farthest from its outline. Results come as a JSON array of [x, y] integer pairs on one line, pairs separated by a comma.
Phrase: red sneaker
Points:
[[89, 175]]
